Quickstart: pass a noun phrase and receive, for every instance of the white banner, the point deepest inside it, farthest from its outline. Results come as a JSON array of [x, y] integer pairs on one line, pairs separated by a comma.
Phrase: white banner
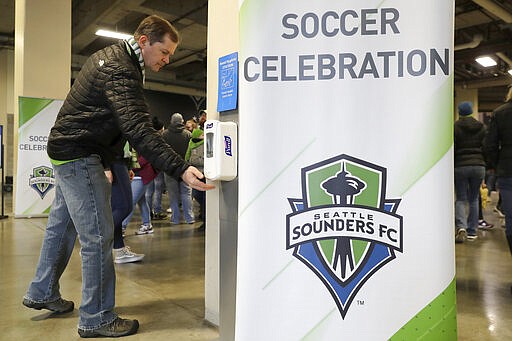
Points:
[[346, 171], [35, 180]]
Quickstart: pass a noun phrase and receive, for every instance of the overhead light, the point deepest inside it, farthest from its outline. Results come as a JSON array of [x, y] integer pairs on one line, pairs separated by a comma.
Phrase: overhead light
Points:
[[486, 61], [112, 34], [510, 72]]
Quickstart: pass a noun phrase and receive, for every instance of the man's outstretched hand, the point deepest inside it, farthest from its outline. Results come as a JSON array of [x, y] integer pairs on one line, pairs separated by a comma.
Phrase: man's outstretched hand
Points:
[[192, 178]]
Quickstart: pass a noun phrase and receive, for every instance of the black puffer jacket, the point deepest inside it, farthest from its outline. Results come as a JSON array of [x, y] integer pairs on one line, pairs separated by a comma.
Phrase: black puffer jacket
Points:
[[498, 144], [105, 106], [468, 141]]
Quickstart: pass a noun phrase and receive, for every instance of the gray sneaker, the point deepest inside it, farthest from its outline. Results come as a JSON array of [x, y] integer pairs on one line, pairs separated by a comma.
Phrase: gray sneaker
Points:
[[145, 229], [116, 328], [125, 255], [460, 237], [159, 216], [59, 306]]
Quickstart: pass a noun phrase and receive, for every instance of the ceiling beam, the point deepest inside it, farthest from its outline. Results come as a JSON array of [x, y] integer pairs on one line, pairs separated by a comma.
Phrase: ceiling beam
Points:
[[155, 84], [174, 89], [469, 55], [471, 19], [488, 106], [111, 14], [194, 57], [495, 9], [485, 83]]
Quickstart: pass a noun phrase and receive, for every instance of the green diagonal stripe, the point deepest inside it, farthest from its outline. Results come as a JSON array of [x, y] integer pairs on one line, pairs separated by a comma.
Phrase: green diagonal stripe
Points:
[[432, 145], [317, 333], [437, 321], [281, 172], [30, 107], [277, 275], [248, 13]]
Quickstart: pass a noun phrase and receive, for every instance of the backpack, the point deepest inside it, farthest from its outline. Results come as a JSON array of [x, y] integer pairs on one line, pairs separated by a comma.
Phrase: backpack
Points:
[[197, 156]]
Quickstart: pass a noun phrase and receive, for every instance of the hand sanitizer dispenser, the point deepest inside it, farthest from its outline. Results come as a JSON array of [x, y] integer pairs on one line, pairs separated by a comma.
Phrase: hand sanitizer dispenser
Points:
[[220, 154]]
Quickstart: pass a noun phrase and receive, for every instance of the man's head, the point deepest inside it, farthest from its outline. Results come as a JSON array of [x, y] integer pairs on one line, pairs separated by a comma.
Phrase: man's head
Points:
[[176, 119], [157, 124], [465, 108], [202, 117], [158, 40]]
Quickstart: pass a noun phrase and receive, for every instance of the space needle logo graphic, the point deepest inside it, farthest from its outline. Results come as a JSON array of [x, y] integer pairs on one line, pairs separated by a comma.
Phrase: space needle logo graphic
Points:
[[344, 228]]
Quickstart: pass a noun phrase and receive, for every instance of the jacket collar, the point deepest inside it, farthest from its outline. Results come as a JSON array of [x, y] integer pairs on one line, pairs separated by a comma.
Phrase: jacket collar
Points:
[[134, 50]]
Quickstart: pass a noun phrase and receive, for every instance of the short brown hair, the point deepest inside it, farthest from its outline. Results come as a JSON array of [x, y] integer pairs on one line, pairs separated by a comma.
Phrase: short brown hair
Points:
[[155, 28]]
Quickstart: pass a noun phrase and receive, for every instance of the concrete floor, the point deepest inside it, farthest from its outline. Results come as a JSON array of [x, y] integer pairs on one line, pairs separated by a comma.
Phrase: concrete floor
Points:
[[484, 280], [165, 291]]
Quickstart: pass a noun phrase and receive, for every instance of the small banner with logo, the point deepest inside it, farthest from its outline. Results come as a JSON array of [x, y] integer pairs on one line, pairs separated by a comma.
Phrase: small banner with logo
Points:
[[35, 180], [346, 171]]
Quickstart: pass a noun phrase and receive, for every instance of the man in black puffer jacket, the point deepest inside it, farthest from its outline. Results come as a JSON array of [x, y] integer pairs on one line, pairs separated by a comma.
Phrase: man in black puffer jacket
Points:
[[498, 154], [104, 107], [469, 165]]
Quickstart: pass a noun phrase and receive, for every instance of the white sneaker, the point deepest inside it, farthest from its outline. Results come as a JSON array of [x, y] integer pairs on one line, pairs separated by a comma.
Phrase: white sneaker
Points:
[[471, 237], [125, 255], [145, 229]]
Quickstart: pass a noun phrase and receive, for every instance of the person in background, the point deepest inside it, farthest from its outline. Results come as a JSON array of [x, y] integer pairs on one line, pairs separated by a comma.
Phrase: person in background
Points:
[[195, 155], [104, 105], [121, 202], [190, 125], [202, 117], [497, 209], [469, 171], [144, 175], [482, 204], [498, 155], [177, 137], [155, 188]]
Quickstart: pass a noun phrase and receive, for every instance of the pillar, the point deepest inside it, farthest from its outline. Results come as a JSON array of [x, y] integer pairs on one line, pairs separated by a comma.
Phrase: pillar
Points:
[[42, 53], [221, 203], [6, 103]]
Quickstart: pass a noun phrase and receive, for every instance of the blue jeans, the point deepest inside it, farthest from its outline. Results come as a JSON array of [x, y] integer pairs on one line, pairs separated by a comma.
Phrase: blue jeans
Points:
[[81, 205], [179, 190], [200, 197], [505, 188], [139, 197], [490, 181], [122, 202], [154, 193], [467, 189]]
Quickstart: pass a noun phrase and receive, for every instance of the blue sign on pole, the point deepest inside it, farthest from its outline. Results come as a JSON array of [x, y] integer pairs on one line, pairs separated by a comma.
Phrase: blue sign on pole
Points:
[[228, 82]]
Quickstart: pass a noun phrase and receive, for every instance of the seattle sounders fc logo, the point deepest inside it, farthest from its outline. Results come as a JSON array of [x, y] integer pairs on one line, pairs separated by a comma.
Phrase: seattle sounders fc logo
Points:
[[42, 180], [344, 228]]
